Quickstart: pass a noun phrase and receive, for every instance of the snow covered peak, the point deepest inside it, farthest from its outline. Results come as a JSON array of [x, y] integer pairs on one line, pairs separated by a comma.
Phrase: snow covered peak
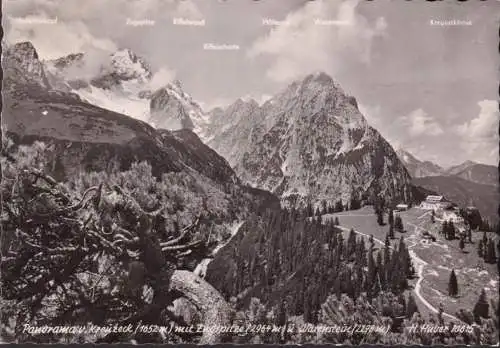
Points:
[[172, 108], [129, 66]]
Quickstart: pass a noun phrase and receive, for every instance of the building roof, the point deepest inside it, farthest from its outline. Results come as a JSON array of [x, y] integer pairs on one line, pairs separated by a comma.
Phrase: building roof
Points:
[[402, 205], [434, 199]]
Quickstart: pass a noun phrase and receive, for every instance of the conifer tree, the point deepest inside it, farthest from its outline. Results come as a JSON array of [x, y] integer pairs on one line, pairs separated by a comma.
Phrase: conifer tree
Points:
[[380, 273], [391, 231], [480, 249], [440, 314], [309, 209], [370, 276], [489, 252], [411, 306], [337, 223], [339, 206], [351, 243], [433, 216], [444, 229], [324, 209], [380, 217], [481, 308], [391, 217], [398, 224], [453, 284], [461, 244], [337, 289], [452, 230], [387, 260]]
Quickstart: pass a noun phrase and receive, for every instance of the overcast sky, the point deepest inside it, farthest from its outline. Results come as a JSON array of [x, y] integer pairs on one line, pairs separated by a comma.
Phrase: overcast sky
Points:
[[430, 89]]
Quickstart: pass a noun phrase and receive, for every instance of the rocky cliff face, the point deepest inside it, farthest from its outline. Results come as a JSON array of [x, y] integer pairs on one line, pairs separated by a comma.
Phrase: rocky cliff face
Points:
[[23, 67], [232, 129], [310, 143]]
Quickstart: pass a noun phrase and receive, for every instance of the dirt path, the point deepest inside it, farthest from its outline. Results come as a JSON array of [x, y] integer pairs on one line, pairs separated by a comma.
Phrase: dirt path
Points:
[[419, 263], [420, 272]]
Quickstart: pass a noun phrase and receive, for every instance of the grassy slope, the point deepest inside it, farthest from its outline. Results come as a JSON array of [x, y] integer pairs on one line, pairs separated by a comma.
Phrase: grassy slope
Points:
[[441, 256]]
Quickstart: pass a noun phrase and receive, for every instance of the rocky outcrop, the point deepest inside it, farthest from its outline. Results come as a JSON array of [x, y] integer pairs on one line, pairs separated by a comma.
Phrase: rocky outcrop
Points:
[[214, 309], [23, 67]]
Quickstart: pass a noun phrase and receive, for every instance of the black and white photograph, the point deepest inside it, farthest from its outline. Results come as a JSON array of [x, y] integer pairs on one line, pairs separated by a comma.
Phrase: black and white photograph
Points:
[[250, 172]]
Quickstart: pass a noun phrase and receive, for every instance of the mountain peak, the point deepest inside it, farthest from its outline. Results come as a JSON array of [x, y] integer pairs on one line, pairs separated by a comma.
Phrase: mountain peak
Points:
[[129, 65], [320, 77], [460, 167], [416, 167], [66, 61], [25, 47], [469, 163], [22, 65], [177, 84], [126, 53]]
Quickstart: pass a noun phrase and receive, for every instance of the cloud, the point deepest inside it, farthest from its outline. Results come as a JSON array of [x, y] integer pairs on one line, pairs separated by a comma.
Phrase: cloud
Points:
[[309, 43], [480, 135], [381, 24], [420, 123], [373, 116], [55, 39], [220, 102], [70, 10], [161, 78], [72, 33], [259, 98], [187, 9]]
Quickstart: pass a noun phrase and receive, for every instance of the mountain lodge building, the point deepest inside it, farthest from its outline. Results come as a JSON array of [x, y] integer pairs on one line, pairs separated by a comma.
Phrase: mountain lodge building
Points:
[[434, 203]]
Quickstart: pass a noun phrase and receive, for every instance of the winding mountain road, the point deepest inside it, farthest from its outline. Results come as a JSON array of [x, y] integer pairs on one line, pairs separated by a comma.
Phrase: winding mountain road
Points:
[[420, 264]]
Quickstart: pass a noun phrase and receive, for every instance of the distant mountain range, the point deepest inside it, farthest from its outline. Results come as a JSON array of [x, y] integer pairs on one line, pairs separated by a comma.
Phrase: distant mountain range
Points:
[[308, 143], [465, 193], [468, 183], [418, 168], [468, 170], [476, 172], [87, 137]]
